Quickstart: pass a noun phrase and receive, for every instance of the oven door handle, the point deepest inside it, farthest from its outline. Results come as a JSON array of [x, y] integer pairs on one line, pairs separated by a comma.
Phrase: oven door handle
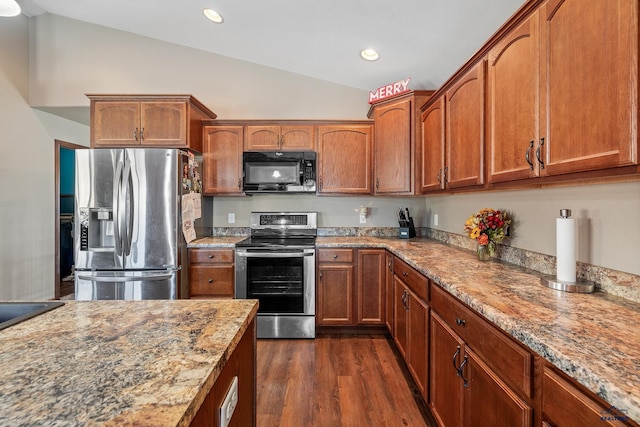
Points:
[[274, 254]]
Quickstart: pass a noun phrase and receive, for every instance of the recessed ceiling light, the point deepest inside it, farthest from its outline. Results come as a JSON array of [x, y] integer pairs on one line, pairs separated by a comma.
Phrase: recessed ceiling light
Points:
[[213, 15], [9, 8], [369, 54]]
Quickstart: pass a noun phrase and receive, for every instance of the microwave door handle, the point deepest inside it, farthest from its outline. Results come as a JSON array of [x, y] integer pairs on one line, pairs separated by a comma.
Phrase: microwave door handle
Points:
[[117, 180]]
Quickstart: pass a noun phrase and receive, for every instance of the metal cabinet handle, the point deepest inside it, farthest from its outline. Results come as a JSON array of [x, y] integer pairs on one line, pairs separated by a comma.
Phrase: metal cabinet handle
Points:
[[527, 153], [461, 374], [239, 183], [210, 280], [377, 183], [446, 172], [135, 134], [335, 257], [210, 256], [460, 322], [455, 357], [538, 153], [439, 176], [142, 134], [405, 274]]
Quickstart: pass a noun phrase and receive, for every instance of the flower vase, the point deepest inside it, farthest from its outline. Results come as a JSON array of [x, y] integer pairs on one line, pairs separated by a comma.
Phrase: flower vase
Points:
[[485, 252]]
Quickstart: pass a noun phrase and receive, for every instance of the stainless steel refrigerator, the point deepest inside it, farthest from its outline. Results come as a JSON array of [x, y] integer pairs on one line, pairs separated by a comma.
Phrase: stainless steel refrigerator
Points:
[[129, 240]]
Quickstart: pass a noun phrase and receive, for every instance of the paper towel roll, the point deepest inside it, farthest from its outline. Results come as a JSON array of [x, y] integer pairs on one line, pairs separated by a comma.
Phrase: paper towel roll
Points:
[[566, 249]]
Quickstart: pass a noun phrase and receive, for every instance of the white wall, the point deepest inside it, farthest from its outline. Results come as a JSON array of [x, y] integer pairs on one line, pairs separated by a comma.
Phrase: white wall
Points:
[[26, 173]]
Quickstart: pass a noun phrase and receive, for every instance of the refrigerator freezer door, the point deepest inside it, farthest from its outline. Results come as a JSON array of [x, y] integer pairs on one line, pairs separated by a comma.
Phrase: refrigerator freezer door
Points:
[[121, 285], [152, 205]]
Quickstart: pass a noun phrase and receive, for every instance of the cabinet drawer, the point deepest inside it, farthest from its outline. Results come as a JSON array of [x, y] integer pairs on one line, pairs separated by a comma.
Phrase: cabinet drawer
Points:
[[211, 281], [335, 255], [211, 256], [507, 358], [563, 404], [413, 279]]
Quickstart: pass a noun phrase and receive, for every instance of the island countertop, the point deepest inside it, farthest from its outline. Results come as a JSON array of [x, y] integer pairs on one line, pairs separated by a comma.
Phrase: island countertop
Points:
[[593, 338], [108, 363]]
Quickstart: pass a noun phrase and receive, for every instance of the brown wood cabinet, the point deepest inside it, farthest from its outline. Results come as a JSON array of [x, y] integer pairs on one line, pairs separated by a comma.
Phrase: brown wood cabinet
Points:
[[389, 306], [411, 321], [472, 384], [222, 159], [464, 136], [350, 288], [344, 159], [147, 121], [433, 147], [211, 273], [397, 145], [556, 106], [241, 364], [274, 137], [565, 405]]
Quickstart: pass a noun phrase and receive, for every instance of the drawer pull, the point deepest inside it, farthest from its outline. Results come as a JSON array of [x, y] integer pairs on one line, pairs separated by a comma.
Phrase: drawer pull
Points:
[[210, 280], [460, 322], [405, 274], [210, 256], [335, 257]]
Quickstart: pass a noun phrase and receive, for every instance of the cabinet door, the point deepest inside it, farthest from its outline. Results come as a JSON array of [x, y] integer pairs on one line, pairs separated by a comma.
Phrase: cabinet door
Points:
[[488, 401], [418, 336], [222, 158], [371, 287], [211, 281], [446, 388], [465, 130], [297, 138], [433, 144], [344, 164], [163, 124], [393, 148], [115, 124], [335, 288], [513, 99], [389, 292], [400, 316], [266, 138], [589, 84]]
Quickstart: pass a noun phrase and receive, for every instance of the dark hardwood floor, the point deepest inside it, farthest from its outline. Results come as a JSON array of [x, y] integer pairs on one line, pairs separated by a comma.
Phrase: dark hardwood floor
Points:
[[336, 380]]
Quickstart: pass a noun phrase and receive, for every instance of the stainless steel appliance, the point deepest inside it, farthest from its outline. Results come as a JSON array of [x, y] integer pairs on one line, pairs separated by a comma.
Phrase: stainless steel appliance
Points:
[[276, 266], [129, 241], [279, 171]]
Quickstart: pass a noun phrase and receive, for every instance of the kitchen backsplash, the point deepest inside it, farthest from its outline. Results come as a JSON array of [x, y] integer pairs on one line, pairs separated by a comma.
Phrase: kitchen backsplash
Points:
[[613, 282]]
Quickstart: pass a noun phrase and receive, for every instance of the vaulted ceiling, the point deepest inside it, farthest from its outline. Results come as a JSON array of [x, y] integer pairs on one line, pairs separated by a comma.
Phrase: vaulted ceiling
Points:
[[426, 40]]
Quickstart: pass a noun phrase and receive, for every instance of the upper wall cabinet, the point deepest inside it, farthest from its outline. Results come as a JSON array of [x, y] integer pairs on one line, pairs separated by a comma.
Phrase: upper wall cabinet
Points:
[[147, 121], [397, 145], [222, 160], [464, 134], [274, 137], [433, 142], [344, 158], [562, 91]]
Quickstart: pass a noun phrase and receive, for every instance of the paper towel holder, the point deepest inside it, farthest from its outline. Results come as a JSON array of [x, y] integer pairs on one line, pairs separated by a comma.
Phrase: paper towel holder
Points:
[[579, 286]]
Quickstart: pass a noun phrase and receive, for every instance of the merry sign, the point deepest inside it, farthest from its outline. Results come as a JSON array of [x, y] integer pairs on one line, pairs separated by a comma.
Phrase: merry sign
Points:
[[389, 90]]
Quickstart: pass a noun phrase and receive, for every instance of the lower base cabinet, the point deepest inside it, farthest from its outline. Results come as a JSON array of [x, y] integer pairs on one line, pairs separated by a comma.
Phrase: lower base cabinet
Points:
[[211, 273], [241, 364]]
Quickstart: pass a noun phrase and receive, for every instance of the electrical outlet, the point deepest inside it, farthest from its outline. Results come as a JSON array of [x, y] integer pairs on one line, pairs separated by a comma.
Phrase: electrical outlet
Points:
[[363, 219], [435, 219], [231, 218]]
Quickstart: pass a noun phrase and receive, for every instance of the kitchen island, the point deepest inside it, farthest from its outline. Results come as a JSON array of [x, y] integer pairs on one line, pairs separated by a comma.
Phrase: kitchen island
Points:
[[143, 363]]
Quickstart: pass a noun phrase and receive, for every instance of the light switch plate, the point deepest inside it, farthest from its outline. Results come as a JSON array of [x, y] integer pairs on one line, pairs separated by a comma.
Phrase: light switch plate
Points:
[[435, 219], [231, 218]]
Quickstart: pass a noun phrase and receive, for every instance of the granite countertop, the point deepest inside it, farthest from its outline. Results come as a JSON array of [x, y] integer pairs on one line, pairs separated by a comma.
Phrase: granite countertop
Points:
[[216, 242], [594, 338], [108, 363]]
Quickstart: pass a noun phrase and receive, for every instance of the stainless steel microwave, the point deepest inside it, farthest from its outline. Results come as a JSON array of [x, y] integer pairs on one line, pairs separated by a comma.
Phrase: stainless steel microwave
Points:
[[279, 171]]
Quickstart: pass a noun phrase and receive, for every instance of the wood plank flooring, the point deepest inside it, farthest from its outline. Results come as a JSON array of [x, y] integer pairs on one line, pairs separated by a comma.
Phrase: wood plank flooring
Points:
[[336, 380]]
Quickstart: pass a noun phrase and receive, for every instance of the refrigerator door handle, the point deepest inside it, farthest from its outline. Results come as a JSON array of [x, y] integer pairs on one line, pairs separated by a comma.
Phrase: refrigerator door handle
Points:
[[128, 208], [117, 220], [110, 278]]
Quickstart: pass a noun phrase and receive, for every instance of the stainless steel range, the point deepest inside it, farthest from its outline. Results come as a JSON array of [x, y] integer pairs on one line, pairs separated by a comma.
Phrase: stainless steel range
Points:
[[276, 266]]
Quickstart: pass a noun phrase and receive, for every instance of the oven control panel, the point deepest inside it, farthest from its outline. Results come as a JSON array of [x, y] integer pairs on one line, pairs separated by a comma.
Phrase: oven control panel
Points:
[[289, 220]]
